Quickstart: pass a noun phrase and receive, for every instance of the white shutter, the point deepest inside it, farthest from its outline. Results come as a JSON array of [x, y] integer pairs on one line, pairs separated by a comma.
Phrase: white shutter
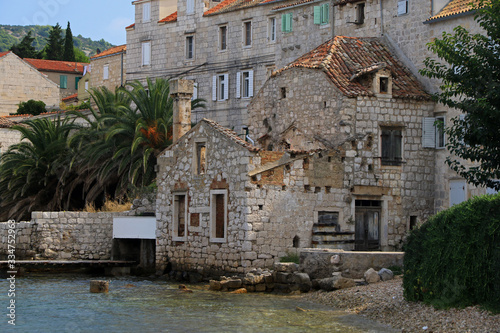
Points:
[[238, 84], [195, 91], [428, 133], [402, 7], [226, 86], [190, 7], [146, 53], [250, 83], [214, 88], [146, 12]]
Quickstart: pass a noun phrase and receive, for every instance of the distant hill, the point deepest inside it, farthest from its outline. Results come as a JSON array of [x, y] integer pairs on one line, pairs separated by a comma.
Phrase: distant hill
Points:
[[10, 34]]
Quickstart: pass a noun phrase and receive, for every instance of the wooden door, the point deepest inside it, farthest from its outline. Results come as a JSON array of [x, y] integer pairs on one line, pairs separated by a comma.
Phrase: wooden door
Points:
[[367, 225]]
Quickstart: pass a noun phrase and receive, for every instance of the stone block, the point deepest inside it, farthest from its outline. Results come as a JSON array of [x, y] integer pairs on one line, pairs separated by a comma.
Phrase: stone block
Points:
[[371, 276]]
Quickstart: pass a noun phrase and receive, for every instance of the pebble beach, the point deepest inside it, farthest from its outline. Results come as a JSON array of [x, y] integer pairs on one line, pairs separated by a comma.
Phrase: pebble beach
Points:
[[384, 302]]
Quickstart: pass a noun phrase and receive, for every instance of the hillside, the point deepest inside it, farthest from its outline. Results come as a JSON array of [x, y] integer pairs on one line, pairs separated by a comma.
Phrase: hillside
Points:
[[10, 34]]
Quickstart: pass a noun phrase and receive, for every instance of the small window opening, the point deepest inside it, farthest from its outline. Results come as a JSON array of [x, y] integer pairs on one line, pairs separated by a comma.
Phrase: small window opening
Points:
[[296, 241], [307, 188], [283, 92], [413, 222], [283, 188], [317, 189], [360, 13], [328, 189], [261, 207], [201, 160], [384, 85]]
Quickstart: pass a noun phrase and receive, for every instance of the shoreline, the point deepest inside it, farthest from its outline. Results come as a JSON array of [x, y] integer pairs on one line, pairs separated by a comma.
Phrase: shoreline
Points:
[[383, 302]]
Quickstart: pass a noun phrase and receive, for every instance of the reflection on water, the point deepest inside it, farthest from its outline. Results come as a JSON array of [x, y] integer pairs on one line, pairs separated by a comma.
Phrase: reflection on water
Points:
[[49, 303]]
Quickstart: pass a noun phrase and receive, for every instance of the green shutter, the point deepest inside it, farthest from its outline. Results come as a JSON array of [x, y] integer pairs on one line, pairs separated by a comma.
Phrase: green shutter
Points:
[[325, 14], [77, 79], [289, 21], [283, 22], [63, 82], [317, 14]]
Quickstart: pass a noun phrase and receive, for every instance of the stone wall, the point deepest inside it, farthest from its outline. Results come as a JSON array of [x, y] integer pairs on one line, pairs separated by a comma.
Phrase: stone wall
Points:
[[8, 137], [21, 82], [115, 67], [24, 232]]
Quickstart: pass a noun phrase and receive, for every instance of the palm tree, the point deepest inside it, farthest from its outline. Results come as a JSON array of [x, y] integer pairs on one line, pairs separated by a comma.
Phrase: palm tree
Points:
[[34, 172]]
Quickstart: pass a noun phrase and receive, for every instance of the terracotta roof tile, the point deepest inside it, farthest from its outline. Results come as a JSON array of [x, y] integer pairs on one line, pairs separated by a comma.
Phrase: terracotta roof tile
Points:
[[74, 96], [231, 5], [4, 122], [130, 26], [455, 7], [57, 66], [3, 53], [170, 18], [345, 59], [293, 4], [113, 50], [230, 134]]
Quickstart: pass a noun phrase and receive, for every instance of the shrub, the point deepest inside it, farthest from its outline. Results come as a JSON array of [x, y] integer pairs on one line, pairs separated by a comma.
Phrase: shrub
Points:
[[291, 257], [31, 107], [453, 260]]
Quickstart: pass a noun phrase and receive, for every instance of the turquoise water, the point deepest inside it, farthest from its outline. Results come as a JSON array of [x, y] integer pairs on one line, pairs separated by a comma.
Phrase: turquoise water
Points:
[[63, 303]]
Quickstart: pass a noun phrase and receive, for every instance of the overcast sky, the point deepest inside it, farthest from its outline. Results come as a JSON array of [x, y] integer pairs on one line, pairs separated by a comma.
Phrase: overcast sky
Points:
[[94, 19]]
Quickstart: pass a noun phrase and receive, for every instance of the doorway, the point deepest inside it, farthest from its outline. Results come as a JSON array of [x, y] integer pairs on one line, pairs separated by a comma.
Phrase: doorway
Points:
[[367, 235]]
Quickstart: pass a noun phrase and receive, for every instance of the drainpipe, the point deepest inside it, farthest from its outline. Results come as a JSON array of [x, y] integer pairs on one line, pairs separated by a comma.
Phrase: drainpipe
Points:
[[181, 92], [381, 18], [121, 73]]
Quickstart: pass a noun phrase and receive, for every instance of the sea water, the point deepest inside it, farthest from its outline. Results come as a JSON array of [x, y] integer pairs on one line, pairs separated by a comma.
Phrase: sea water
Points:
[[63, 303]]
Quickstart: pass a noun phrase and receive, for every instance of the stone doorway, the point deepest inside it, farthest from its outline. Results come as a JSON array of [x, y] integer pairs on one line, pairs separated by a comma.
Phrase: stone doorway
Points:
[[367, 227]]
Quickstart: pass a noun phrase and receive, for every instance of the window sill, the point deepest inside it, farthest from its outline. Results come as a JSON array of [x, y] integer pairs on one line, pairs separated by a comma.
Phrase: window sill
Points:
[[217, 240], [179, 239]]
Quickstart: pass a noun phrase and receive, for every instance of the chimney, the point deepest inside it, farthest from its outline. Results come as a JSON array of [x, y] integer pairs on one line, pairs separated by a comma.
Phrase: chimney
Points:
[[181, 91]]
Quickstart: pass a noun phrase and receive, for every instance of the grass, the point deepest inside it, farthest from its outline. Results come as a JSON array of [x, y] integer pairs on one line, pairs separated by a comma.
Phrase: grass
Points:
[[290, 257], [109, 206]]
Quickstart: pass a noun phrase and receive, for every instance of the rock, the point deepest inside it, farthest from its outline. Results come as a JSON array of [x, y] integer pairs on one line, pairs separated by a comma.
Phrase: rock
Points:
[[231, 284], [326, 283], [281, 277], [99, 286], [184, 289], [386, 274], [342, 283], [215, 285], [260, 287], [195, 277], [250, 288], [253, 279], [371, 276], [287, 267], [335, 259], [302, 280], [239, 291], [48, 253]]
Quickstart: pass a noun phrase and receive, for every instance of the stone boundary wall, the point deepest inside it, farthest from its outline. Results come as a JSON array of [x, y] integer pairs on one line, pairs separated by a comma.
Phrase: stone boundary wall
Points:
[[322, 263], [62, 235]]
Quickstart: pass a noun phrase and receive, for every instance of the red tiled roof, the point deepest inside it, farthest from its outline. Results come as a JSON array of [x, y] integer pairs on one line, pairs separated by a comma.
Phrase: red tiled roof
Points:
[[230, 134], [57, 66], [74, 96], [230, 5], [6, 123], [3, 53], [130, 26], [344, 59], [113, 50], [170, 18], [455, 7]]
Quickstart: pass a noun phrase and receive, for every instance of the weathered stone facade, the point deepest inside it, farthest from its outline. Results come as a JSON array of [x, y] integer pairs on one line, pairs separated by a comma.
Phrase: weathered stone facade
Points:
[[21, 82], [109, 68]]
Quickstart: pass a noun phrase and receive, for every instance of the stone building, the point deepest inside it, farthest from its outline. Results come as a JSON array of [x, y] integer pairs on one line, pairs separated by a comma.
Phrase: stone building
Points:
[[21, 82], [66, 74], [109, 68]]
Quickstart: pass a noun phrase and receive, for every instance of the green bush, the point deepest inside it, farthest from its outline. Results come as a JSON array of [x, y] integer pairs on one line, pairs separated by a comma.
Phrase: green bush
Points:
[[453, 260], [291, 257], [31, 107]]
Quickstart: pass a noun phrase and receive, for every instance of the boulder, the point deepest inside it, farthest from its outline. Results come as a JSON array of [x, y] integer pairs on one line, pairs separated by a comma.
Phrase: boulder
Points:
[[342, 283], [326, 283], [371, 276], [215, 285], [231, 283], [286, 267], [260, 287], [253, 279], [386, 274], [239, 291], [48, 253], [302, 280], [281, 277]]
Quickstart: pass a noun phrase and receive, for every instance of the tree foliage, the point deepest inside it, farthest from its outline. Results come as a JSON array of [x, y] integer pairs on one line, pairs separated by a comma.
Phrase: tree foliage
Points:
[[69, 52], [25, 48], [31, 107], [470, 76], [54, 48]]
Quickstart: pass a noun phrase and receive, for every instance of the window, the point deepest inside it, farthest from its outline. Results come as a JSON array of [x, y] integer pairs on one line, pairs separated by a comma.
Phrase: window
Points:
[[179, 225], [384, 85], [77, 79], [433, 135], [105, 72], [247, 33], [218, 215], [286, 22], [200, 162], [391, 140], [402, 7], [146, 53], [86, 85], [283, 92], [244, 84], [190, 7], [360, 13], [146, 12], [321, 14], [220, 87], [189, 47], [223, 38], [195, 91], [271, 30], [63, 81]]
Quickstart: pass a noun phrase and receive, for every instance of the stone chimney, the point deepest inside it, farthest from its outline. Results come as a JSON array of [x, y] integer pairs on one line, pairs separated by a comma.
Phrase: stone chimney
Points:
[[181, 92]]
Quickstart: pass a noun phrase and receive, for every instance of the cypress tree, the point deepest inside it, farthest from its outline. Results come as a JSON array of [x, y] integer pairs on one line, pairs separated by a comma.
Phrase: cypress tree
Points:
[[25, 49], [54, 47], [69, 52]]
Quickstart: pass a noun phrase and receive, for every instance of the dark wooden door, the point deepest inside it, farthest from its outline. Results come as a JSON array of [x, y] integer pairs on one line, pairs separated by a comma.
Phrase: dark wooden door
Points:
[[367, 228]]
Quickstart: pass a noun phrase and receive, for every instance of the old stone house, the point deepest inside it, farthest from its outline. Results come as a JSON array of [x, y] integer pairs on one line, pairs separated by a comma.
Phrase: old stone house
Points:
[[109, 68], [21, 82], [66, 74]]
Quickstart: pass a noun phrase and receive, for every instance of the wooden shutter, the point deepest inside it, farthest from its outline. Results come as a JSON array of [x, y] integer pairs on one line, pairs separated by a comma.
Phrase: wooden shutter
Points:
[[289, 22], [250, 83], [214, 88], [238, 84], [317, 14], [402, 7], [283, 22], [226, 86], [428, 133]]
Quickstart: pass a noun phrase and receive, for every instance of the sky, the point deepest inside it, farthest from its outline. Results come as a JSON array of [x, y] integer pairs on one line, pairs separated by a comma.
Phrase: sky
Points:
[[93, 19]]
